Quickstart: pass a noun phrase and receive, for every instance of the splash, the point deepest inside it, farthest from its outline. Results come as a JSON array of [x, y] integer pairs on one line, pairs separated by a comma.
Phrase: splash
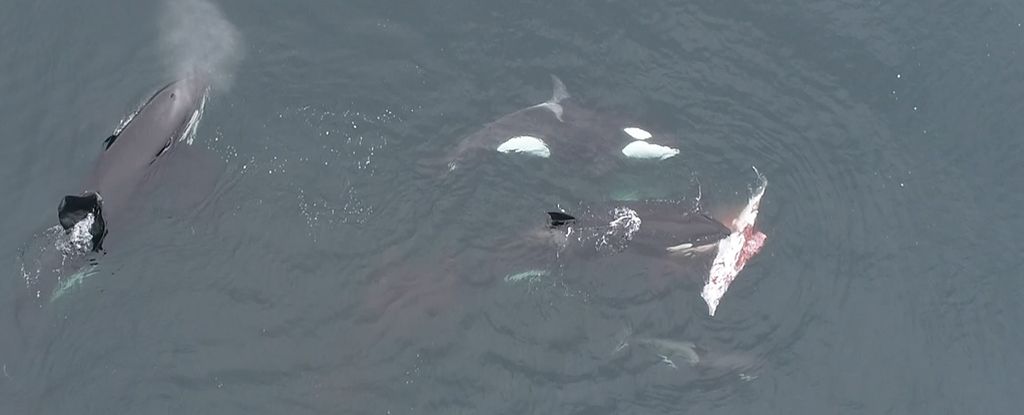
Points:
[[196, 40], [54, 254], [78, 239], [624, 224], [736, 249]]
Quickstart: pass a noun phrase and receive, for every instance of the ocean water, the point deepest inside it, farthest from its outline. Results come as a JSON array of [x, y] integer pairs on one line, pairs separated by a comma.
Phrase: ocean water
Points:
[[330, 270]]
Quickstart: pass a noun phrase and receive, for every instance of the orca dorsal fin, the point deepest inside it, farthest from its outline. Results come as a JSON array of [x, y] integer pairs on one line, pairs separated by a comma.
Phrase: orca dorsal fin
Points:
[[109, 142], [558, 94], [556, 219]]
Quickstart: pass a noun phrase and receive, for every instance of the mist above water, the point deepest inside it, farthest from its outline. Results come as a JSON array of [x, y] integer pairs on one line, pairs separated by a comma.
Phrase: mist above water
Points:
[[197, 40]]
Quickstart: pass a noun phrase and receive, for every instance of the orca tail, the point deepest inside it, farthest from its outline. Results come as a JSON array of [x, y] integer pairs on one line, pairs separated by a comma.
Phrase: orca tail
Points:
[[558, 219], [74, 209], [558, 94]]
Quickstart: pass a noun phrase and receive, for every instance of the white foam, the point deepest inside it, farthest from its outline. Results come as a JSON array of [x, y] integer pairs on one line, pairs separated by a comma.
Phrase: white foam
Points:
[[624, 224], [527, 145], [647, 151], [637, 133], [77, 239]]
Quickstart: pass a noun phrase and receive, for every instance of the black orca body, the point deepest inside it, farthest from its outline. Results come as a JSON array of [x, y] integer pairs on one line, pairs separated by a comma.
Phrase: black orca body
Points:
[[650, 228], [664, 231]]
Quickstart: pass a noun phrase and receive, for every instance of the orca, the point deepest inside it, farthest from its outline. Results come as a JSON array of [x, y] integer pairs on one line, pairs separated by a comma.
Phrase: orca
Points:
[[561, 130], [655, 230], [131, 155], [152, 139], [650, 228]]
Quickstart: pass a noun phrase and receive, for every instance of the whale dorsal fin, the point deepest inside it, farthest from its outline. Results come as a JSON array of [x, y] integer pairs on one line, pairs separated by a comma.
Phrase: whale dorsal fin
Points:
[[109, 142], [556, 219], [558, 94]]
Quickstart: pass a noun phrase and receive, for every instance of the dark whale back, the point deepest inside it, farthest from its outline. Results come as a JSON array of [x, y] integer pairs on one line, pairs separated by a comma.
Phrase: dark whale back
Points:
[[154, 130], [649, 228]]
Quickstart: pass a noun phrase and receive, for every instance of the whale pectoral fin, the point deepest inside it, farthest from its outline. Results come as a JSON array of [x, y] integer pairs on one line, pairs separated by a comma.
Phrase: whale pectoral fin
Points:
[[109, 142], [557, 219]]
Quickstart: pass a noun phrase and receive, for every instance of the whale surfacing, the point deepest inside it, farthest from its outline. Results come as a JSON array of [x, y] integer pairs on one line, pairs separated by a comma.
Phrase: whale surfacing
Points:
[[140, 153]]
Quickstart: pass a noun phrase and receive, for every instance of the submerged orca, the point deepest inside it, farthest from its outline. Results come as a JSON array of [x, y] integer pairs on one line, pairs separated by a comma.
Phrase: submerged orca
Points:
[[561, 130]]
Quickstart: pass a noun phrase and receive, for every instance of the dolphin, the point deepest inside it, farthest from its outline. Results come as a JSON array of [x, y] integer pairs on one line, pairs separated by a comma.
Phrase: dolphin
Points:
[[563, 131], [132, 157]]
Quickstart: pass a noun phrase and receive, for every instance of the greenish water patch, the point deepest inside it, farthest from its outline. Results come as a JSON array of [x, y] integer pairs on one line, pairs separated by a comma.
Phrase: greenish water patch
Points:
[[71, 283]]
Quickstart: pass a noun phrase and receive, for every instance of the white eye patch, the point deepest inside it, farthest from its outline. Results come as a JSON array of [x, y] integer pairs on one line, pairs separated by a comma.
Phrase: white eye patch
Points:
[[647, 151], [527, 145], [637, 133]]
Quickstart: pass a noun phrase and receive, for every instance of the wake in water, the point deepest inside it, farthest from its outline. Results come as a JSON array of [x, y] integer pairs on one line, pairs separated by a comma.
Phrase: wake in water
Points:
[[196, 40]]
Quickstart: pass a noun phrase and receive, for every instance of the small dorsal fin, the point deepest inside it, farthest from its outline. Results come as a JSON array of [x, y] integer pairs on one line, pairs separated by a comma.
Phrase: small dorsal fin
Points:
[[558, 94], [109, 141], [556, 219]]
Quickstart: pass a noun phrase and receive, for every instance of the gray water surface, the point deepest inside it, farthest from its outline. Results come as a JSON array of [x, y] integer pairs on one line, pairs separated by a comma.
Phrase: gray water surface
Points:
[[328, 272]]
